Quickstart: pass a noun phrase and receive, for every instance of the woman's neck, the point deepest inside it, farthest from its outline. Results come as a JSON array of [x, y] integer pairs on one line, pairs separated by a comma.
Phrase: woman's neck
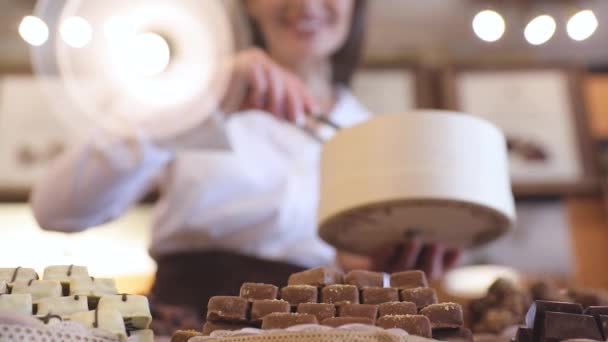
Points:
[[317, 76]]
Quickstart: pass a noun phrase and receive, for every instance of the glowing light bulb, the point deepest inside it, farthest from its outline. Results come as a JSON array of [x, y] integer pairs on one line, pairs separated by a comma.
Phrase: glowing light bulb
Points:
[[582, 25], [76, 32], [489, 25], [33, 30], [540, 30]]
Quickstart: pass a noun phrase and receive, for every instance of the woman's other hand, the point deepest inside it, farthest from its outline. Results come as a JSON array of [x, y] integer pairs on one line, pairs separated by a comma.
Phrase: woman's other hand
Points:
[[257, 82], [433, 259]]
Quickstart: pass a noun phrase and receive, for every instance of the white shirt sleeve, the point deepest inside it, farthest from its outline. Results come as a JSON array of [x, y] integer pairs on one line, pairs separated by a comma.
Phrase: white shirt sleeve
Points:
[[97, 182]]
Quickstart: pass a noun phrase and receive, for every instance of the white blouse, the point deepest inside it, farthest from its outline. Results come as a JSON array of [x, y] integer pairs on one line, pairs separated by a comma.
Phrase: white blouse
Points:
[[258, 198]]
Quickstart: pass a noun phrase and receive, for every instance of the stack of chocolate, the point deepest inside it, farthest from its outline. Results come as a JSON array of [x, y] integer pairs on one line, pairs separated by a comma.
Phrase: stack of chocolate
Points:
[[69, 293], [323, 296], [558, 321]]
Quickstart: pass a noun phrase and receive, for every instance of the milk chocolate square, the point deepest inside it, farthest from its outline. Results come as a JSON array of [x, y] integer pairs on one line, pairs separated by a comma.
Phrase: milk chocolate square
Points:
[[340, 294], [227, 308], [258, 291], [379, 295], [336, 322], [297, 294], [408, 279], [321, 311], [397, 308], [261, 308], [320, 276], [444, 315], [358, 310], [421, 296], [414, 324], [453, 335], [38, 288], [285, 320], [363, 279]]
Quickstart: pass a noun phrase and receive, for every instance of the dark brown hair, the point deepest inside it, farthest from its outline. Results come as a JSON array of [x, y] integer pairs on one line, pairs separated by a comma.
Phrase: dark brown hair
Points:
[[345, 61]]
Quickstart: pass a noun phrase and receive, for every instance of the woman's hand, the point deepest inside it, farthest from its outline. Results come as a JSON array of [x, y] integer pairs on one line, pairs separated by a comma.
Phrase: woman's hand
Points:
[[257, 82], [433, 259]]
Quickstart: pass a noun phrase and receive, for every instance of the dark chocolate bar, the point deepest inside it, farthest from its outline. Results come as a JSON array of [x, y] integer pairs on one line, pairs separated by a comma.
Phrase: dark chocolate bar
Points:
[[562, 326], [535, 318]]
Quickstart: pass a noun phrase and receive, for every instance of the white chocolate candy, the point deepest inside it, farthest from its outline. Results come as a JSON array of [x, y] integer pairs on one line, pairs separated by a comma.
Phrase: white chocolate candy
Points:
[[62, 306], [134, 309], [146, 335], [93, 287], [10, 275], [64, 273], [3, 287], [109, 320], [38, 288], [20, 303]]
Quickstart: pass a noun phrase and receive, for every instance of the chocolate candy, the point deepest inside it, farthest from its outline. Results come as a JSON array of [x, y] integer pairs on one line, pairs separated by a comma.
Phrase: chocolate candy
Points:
[[421, 296], [227, 308], [17, 303], [210, 327], [297, 294], [397, 308], [320, 310], [524, 335], [62, 306], [561, 326], [363, 279], [358, 310], [38, 288], [261, 308], [409, 279], [600, 313], [340, 294], [444, 315], [185, 335], [285, 320], [3, 287], [135, 309], [453, 335], [379, 295], [320, 276], [258, 291], [340, 321], [413, 324], [11, 275]]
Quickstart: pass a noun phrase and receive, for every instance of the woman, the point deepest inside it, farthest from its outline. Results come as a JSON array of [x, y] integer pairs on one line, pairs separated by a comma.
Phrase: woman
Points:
[[248, 214]]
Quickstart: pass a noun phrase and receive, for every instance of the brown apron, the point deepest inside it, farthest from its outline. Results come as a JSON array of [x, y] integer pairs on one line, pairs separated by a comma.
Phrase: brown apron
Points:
[[185, 282]]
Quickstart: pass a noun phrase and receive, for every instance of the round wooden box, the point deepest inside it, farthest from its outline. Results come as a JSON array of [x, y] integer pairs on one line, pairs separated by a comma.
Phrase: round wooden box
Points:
[[435, 175]]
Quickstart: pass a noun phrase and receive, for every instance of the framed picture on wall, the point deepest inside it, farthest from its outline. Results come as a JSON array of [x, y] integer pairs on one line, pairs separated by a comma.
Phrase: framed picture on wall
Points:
[[31, 134], [541, 112], [393, 88]]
